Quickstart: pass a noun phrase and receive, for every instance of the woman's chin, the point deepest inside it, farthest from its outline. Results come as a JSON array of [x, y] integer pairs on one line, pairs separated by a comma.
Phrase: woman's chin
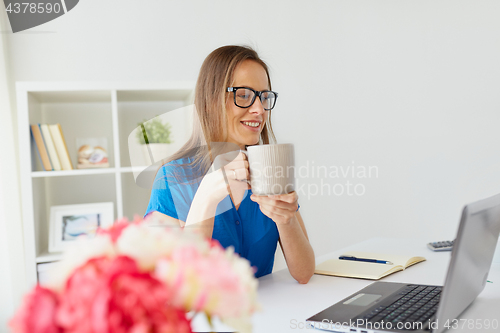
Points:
[[249, 141], [252, 142]]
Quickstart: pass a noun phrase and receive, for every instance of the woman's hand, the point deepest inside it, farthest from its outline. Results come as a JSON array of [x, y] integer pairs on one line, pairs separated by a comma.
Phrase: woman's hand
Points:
[[299, 255], [214, 187], [280, 208], [237, 171]]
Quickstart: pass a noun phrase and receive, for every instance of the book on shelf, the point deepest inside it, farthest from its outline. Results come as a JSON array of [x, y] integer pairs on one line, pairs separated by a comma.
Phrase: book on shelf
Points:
[[40, 146], [49, 144], [61, 148], [365, 269]]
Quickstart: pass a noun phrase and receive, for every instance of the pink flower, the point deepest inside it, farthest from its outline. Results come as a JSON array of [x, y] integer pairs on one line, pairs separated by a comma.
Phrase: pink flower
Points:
[[37, 313], [112, 295], [218, 283], [115, 230], [215, 243], [141, 277]]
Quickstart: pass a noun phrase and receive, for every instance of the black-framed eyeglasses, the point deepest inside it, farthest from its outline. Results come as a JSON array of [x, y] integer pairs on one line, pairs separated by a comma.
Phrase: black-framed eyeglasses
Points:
[[245, 97]]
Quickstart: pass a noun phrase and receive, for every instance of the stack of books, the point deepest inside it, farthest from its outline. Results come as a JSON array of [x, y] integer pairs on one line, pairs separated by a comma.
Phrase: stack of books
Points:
[[51, 147]]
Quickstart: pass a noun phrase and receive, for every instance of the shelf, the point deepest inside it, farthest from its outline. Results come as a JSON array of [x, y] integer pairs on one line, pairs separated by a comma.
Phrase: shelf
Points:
[[72, 96], [83, 172], [45, 256], [110, 110], [81, 115], [76, 172], [132, 112], [154, 95], [133, 169]]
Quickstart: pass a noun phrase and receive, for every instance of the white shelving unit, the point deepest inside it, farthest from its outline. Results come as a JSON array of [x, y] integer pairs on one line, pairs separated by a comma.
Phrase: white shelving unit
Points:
[[87, 109]]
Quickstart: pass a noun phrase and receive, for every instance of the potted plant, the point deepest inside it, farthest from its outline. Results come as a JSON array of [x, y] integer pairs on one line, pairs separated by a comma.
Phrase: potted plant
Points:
[[155, 138]]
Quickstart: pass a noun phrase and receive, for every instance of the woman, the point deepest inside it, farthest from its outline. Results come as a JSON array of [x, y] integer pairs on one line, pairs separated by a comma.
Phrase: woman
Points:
[[233, 101]]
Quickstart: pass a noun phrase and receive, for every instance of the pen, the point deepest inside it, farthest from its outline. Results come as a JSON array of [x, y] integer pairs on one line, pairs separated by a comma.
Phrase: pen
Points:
[[365, 260]]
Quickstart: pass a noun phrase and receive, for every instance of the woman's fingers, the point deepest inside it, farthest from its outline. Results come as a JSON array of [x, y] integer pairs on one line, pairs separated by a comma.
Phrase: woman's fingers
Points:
[[243, 156], [238, 165], [238, 170], [228, 159], [290, 197], [241, 174], [275, 217], [237, 173], [275, 210], [272, 203], [278, 215], [232, 156]]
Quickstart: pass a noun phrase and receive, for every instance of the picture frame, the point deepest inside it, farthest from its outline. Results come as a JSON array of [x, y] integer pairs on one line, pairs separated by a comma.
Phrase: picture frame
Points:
[[67, 222], [92, 153]]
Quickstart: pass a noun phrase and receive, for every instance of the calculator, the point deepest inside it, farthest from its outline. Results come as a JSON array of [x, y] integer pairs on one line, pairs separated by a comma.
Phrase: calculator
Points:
[[441, 246]]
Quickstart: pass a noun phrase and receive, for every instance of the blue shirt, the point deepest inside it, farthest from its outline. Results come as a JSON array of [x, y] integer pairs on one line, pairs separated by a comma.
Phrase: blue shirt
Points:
[[253, 235]]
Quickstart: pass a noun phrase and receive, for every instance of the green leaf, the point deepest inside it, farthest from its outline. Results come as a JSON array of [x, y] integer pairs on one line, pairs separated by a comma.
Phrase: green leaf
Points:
[[154, 131]]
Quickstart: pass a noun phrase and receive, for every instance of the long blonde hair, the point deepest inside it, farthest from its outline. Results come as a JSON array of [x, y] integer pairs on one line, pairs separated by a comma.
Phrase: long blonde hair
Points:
[[210, 119]]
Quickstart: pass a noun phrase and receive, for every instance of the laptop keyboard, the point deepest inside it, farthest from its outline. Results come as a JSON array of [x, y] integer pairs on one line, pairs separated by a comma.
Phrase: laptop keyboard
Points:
[[415, 304]]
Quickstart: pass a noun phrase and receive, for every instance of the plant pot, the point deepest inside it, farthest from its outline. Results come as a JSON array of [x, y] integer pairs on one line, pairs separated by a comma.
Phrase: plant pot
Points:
[[158, 151]]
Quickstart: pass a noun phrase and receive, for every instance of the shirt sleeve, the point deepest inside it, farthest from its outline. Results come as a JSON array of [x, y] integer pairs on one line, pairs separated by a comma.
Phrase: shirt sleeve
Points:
[[161, 199]]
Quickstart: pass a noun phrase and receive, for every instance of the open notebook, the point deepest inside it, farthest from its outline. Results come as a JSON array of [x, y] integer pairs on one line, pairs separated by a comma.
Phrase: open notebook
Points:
[[366, 270]]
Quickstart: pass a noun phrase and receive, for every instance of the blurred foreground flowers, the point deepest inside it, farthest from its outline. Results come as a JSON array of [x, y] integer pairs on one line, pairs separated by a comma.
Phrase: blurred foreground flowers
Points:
[[141, 276]]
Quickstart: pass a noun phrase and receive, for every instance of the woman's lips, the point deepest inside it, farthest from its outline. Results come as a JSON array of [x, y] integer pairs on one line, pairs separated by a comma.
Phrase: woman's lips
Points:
[[251, 128]]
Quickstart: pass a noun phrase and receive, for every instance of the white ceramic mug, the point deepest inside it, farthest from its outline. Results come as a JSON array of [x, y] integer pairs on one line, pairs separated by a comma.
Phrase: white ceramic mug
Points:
[[272, 168]]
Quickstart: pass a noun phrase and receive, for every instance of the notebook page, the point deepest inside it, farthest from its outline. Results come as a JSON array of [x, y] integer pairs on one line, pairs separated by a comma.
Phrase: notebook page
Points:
[[349, 268], [402, 260]]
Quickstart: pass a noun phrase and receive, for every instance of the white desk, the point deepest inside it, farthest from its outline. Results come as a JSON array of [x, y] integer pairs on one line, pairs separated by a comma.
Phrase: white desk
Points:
[[287, 304]]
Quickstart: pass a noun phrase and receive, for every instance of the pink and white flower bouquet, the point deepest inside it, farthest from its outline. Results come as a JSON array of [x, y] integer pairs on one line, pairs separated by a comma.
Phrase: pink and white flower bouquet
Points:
[[139, 277]]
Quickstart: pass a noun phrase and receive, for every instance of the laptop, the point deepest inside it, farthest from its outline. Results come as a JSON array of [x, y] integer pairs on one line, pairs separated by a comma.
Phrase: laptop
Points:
[[401, 307]]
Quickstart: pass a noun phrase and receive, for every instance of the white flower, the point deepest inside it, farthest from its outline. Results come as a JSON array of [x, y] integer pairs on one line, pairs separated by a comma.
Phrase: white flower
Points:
[[78, 253], [202, 275], [147, 244]]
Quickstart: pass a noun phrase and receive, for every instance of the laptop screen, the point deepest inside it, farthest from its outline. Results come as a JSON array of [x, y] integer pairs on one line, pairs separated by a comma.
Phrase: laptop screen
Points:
[[471, 259]]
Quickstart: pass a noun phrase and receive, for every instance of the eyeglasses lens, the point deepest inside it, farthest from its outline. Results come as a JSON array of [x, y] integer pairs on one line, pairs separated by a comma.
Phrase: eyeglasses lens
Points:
[[245, 97], [268, 99]]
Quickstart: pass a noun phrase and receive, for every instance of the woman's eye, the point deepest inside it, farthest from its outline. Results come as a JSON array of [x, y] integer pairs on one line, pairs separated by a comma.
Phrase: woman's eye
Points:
[[243, 96]]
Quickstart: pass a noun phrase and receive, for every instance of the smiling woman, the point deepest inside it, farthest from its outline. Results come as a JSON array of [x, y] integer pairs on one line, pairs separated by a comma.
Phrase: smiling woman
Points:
[[246, 118], [205, 184]]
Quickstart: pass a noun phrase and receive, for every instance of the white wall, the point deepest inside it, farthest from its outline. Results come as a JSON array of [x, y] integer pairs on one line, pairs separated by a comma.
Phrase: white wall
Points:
[[411, 87], [12, 283], [6, 296]]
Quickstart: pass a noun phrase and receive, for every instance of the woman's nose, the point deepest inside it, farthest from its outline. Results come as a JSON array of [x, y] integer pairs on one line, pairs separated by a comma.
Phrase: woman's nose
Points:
[[257, 106]]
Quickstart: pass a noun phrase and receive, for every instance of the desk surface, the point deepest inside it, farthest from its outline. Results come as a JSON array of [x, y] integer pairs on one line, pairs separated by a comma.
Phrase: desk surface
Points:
[[287, 304]]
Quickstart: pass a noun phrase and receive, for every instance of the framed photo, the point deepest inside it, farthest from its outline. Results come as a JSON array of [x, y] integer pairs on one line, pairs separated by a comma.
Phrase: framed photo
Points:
[[71, 221], [92, 153]]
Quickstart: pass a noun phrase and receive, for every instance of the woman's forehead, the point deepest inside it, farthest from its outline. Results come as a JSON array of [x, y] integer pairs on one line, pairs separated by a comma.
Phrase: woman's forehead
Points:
[[250, 74]]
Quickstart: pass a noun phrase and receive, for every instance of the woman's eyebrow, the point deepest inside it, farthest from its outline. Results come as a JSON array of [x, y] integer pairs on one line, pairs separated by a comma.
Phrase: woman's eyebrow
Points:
[[245, 86]]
